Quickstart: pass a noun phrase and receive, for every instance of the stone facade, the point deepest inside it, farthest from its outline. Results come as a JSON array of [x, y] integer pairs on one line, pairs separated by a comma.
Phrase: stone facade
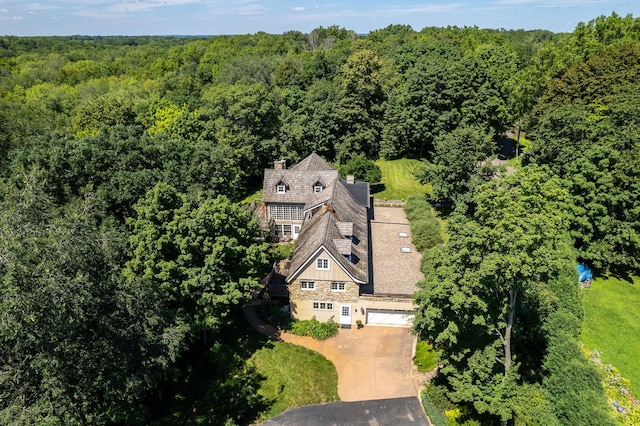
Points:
[[302, 299]]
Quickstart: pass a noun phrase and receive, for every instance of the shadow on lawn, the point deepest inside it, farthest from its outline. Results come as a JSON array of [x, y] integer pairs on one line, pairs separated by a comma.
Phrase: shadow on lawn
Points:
[[214, 383]]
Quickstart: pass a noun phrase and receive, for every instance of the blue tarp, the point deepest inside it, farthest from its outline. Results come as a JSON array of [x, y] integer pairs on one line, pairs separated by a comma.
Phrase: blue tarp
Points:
[[584, 272]]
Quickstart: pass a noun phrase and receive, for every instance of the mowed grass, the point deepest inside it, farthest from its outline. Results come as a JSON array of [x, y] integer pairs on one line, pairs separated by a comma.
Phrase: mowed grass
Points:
[[294, 377], [398, 180], [612, 324]]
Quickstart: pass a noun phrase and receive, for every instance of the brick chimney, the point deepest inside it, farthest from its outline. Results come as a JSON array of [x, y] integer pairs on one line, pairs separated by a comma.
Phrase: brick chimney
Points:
[[280, 164], [351, 179]]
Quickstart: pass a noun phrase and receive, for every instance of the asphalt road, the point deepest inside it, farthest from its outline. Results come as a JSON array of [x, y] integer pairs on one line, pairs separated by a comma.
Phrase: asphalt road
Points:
[[381, 412]]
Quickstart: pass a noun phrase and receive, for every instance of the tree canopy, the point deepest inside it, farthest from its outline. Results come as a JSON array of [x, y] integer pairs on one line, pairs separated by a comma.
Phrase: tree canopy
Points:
[[124, 254]]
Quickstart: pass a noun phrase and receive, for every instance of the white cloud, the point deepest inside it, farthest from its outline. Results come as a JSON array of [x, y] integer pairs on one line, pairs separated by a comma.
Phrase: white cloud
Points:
[[298, 9]]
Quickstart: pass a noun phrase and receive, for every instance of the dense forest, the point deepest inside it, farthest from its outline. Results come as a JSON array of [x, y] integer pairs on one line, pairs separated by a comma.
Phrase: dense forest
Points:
[[125, 254]]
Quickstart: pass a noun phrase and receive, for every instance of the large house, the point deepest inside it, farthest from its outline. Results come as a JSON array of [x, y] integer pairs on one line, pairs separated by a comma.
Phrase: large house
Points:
[[330, 273]]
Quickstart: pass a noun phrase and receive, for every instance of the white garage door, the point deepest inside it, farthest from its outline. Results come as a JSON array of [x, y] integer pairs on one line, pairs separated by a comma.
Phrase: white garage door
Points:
[[403, 318]]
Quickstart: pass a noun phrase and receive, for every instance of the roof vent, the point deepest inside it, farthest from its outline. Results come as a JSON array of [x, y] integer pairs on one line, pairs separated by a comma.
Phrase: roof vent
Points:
[[403, 235]]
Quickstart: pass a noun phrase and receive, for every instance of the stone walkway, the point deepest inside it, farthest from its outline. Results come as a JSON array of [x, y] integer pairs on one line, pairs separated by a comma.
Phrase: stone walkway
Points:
[[251, 315]]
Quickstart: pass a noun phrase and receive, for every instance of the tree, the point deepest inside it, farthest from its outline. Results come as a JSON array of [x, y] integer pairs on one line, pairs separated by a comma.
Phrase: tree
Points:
[[426, 104], [361, 169], [498, 267], [201, 256], [245, 118], [584, 130], [107, 110], [309, 121], [361, 106], [459, 164], [76, 343]]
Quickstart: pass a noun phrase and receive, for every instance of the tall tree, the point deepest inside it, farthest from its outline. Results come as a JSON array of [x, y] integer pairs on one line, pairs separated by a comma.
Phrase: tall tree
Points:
[[426, 104], [76, 342], [201, 255], [495, 270], [361, 106], [459, 164]]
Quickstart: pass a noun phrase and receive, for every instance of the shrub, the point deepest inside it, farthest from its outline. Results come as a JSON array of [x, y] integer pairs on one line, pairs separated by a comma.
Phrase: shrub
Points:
[[282, 251], [436, 415], [425, 228], [314, 328], [425, 357], [362, 169]]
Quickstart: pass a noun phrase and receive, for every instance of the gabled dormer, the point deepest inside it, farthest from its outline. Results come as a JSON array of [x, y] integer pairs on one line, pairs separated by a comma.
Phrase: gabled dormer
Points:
[[318, 186], [282, 186]]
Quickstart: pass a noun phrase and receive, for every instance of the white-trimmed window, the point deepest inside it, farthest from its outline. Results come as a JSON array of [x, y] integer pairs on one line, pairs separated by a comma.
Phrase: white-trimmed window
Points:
[[307, 285], [337, 286], [283, 230], [281, 189], [322, 264], [322, 306], [286, 212], [317, 188]]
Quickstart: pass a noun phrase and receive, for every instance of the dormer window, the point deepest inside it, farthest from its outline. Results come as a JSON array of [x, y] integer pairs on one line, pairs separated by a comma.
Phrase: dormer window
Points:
[[317, 188], [281, 188]]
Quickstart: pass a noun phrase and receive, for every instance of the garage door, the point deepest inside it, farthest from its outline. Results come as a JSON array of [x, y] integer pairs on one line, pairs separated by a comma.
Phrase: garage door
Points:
[[378, 317]]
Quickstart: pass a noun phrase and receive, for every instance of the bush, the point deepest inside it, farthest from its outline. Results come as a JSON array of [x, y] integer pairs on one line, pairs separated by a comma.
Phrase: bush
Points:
[[573, 383], [425, 228], [436, 415], [282, 251], [314, 328], [362, 169], [425, 358]]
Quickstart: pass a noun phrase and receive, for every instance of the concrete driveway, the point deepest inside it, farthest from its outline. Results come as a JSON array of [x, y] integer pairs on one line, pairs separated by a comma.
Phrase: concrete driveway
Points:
[[372, 362]]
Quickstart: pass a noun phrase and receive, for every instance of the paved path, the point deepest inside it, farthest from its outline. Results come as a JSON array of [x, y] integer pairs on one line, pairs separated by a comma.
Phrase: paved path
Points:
[[391, 412], [251, 315]]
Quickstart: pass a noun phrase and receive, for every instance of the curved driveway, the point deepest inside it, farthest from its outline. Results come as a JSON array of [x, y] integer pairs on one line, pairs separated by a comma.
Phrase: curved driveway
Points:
[[372, 362]]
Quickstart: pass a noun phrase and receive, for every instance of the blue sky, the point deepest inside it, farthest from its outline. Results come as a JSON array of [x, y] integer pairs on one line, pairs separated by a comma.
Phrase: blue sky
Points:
[[154, 17]]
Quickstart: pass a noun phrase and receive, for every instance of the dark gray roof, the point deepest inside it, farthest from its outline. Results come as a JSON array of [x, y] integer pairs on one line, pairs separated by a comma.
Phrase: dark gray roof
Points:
[[360, 191], [322, 230]]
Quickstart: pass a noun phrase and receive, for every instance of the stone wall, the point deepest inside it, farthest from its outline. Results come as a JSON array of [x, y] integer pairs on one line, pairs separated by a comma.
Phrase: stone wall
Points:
[[301, 301]]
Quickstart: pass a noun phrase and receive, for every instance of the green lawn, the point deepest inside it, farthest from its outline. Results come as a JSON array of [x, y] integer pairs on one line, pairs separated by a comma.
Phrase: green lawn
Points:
[[398, 180], [294, 377], [612, 324]]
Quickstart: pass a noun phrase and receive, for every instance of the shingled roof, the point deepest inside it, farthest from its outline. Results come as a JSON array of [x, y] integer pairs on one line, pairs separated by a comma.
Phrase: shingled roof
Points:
[[299, 185], [323, 231], [313, 162], [299, 182]]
